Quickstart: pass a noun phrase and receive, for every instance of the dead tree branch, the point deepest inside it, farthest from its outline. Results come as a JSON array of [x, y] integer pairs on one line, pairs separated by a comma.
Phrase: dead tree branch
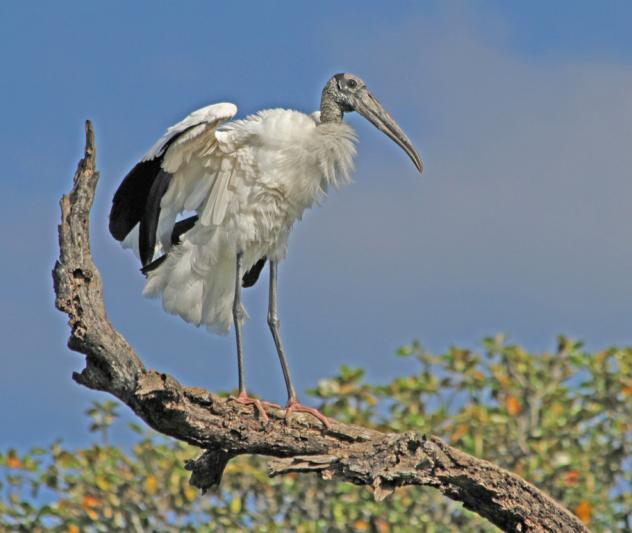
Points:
[[225, 429]]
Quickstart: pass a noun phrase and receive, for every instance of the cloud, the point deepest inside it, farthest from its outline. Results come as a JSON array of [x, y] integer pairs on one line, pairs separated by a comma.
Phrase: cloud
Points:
[[520, 222], [525, 198]]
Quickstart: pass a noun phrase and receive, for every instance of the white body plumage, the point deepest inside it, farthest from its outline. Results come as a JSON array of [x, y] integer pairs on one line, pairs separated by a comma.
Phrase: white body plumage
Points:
[[248, 181]]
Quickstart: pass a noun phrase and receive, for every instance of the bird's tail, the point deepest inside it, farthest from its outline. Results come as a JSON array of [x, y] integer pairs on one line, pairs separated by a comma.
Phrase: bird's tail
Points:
[[197, 282]]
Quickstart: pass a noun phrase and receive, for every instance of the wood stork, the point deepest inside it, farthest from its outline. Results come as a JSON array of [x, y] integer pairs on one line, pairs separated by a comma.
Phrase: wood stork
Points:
[[247, 182]]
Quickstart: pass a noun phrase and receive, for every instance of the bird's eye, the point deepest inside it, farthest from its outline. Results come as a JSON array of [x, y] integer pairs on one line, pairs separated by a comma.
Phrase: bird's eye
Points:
[[352, 84]]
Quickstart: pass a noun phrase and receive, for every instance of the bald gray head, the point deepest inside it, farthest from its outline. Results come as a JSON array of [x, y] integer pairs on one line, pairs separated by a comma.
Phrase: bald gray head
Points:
[[345, 93]]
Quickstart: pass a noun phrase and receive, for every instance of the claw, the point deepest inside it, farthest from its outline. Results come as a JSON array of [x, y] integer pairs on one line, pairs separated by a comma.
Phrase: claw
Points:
[[294, 406], [244, 399]]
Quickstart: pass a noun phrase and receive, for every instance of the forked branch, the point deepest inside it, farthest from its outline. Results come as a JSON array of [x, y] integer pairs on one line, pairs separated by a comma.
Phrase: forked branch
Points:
[[225, 429]]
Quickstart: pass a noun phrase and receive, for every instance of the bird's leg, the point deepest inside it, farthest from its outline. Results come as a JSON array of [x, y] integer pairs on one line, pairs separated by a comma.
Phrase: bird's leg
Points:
[[274, 323], [238, 315], [293, 404]]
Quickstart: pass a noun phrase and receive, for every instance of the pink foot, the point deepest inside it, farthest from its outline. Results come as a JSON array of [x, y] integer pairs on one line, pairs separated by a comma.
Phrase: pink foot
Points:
[[293, 406], [244, 399]]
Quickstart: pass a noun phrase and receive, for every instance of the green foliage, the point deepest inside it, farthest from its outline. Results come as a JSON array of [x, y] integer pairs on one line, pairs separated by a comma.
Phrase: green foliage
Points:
[[102, 416], [561, 420]]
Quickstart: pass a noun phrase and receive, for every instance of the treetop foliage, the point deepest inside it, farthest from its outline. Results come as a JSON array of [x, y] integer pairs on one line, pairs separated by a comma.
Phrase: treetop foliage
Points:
[[562, 420]]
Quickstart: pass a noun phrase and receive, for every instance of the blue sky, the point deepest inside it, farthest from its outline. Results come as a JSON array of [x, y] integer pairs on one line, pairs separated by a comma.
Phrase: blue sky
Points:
[[520, 223]]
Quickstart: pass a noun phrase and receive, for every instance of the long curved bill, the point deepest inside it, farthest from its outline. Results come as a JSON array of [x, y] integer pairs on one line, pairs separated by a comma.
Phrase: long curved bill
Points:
[[372, 110]]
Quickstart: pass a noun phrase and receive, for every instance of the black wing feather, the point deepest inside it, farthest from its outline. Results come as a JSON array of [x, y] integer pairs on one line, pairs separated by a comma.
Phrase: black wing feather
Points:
[[153, 265], [251, 277], [129, 200], [128, 205], [179, 228], [151, 214]]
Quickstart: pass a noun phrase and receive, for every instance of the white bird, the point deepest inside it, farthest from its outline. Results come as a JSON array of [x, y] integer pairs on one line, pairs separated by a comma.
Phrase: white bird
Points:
[[247, 182]]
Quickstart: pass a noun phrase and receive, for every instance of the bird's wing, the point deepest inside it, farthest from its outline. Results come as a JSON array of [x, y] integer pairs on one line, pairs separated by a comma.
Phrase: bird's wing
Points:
[[192, 126], [179, 172]]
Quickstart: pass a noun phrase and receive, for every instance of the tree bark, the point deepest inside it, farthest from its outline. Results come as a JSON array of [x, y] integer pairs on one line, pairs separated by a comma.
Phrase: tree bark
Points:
[[225, 429]]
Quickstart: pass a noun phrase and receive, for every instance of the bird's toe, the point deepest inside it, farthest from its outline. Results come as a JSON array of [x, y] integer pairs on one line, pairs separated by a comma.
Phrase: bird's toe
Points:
[[296, 407], [260, 405]]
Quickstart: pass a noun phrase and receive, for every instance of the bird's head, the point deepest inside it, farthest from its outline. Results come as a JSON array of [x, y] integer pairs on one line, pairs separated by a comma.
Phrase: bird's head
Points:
[[345, 93]]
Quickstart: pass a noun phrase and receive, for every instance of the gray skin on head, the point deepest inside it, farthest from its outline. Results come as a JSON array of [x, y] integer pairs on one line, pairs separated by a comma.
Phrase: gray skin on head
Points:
[[336, 97], [345, 93]]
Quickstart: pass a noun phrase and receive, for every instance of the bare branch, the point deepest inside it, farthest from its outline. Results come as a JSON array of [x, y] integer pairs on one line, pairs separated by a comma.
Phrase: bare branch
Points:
[[225, 429]]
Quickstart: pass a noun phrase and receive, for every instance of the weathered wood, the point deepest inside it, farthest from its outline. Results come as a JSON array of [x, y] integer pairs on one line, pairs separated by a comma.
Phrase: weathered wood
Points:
[[225, 429]]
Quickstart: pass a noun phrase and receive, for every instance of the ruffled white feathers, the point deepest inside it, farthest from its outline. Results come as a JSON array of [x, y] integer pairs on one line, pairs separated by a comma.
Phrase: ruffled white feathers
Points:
[[248, 181]]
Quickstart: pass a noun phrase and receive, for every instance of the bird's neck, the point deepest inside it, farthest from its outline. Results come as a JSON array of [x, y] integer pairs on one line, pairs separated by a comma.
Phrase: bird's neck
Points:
[[330, 110]]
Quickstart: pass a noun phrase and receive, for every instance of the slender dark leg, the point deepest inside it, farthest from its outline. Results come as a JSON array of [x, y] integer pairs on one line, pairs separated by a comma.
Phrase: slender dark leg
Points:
[[293, 404], [238, 315], [274, 323]]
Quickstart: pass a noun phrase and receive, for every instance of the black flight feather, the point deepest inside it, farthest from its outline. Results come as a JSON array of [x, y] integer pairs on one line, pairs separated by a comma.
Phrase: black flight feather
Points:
[[153, 265], [151, 214], [129, 200], [251, 277], [179, 228], [128, 205]]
